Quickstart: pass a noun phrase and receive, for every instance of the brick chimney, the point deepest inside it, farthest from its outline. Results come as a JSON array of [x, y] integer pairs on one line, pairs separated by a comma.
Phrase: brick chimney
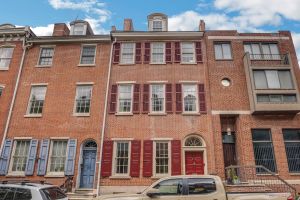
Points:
[[60, 29], [128, 25], [202, 25]]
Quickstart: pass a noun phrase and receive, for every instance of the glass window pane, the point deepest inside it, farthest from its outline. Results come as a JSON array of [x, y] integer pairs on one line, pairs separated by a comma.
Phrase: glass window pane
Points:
[[285, 79], [83, 99], [201, 185], [256, 51], [170, 187], [162, 157], [274, 51], [37, 99], [122, 158], [263, 98], [272, 79], [187, 54], [226, 51], [261, 135], [290, 98], [247, 48], [157, 98], [190, 98], [127, 56], [88, 55], [260, 79], [58, 156], [218, 51], [275, 98], [20, 155], [157, 52], [125, 98], [291, 134]]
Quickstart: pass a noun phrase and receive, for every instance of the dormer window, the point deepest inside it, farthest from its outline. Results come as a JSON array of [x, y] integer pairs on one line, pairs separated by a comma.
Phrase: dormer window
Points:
[[157, 22], [157, 25], [78, 29]]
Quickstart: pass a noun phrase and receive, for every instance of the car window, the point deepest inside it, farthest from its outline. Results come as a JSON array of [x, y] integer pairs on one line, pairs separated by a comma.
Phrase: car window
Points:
[[201, 185], [170, 187], [23, 194], [7, 193], [53, 193]]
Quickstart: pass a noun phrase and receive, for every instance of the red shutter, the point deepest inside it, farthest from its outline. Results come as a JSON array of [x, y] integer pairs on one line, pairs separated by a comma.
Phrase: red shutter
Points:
[[147, 53], [116, 52], [146, 98], [199, 52], [176, 157], [169, 107], [147, 162], [138, 53], [177, 52], [106, 166], [113, 99], [178, 98], [202, 104], [135, 158], [136, 99], [168, 52]]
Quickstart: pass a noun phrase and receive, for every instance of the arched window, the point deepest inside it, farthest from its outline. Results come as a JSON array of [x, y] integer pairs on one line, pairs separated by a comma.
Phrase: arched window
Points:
[[90, 144], [193, 141]]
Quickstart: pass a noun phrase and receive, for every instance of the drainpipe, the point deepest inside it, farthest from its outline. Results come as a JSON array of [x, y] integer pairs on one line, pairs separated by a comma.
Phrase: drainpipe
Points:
[[104, 117], [25, 47]]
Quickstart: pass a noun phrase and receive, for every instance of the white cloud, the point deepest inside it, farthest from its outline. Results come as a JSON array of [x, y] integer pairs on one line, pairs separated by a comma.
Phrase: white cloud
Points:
[[43, 30]]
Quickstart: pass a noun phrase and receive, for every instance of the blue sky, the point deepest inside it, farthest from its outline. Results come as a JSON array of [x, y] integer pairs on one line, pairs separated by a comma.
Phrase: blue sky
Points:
[[243, 15]]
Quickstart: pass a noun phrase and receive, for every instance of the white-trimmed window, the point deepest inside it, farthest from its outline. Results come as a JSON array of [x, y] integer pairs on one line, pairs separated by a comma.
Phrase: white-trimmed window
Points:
[[157, 25], [46, 56], [125, 98], [157, 53], [187, 52], [19, 156], [57, 157], [157, 98], [36, 101], [83, 99], [127, 53], [122, 158], [5, 57], [190, 100], [223, 51], [78, 29], [161, 158], [88, 53]]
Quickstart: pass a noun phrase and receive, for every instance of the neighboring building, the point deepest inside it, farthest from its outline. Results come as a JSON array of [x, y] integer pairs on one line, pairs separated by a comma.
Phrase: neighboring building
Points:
[[153, 103]]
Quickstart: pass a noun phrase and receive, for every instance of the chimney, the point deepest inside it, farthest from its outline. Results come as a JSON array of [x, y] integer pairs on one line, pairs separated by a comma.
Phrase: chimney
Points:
[[202, 25], [60, 29], [113, 28], [128, 26]]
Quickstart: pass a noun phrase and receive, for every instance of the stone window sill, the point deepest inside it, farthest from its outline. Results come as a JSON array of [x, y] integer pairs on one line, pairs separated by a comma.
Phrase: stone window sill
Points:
[[33, 116], [86, 65], [120, 177]]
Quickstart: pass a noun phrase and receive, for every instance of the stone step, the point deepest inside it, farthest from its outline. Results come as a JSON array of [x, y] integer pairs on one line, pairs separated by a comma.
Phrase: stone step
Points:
[[83, 191], [80, 196]]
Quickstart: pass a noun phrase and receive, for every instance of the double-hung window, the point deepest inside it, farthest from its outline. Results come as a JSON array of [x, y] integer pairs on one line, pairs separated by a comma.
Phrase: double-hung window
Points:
[[187, 52], [161, 158], [46, 56], [263, 149], [83, 99], [78, 29], [20, 154], [122, 158], [5, 57], [157, 53], [125, 98], [58, 153], [273, 79], [88, 54], [190, 100], [36, 102], [262, 51], [222, 51], [157, 98], [127, 53], [292, 148]]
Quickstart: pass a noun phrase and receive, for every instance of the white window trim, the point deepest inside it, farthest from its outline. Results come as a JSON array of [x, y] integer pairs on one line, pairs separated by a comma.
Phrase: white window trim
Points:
[[16, 173], [28, 104], [74, 107], [133, 56], [164, 54], [84, 28], [49, 159], [114, 173], [164, 104], [194, 53], [42, 47], [8, 46], [156, 175], [197, 100], [118, 102], [158, 19], [95, 55]]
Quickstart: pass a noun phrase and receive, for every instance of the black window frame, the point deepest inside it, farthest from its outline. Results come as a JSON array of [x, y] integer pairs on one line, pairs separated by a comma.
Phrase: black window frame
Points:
[[292, 149], [221, 43]]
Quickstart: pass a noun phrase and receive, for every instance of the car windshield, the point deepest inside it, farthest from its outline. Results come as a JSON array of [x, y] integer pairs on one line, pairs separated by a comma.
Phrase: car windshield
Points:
[[53, 193]]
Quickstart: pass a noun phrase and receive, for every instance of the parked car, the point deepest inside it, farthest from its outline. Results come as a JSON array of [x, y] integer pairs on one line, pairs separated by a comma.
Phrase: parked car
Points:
[[204, 187], [30, 191]]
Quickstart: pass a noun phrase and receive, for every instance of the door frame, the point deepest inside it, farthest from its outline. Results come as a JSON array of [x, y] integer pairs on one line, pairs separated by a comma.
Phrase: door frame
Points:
[[80, 160], [195, 148]]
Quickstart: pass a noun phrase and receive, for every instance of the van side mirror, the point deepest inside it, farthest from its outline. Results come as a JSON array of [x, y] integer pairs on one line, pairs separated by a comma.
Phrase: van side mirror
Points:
[[152, 193]]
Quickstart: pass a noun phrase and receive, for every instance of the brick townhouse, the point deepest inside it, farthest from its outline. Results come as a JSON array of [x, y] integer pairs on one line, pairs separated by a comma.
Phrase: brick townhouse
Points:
[[153, 103]]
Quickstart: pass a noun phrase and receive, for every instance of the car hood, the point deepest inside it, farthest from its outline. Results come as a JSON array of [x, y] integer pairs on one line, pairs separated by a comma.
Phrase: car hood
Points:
[[124, 196]]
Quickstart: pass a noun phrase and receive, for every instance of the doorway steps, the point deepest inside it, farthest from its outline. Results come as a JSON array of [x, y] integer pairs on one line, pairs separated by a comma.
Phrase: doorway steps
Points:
[[81, 194]]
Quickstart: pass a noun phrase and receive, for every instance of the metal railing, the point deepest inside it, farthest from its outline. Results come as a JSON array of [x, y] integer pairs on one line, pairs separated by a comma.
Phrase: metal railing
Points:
[[67, 184], [269, 59], [265, 180]]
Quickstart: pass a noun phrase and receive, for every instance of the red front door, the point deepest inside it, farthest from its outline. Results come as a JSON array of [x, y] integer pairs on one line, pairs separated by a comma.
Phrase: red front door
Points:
[[194, 162]]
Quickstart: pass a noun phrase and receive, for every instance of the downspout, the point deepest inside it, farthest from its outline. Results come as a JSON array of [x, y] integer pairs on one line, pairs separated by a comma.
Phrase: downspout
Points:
[[104, 117], [24, 46]]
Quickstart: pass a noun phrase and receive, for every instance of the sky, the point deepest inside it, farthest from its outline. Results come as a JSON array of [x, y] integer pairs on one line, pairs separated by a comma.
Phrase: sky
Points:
[[241, 15]]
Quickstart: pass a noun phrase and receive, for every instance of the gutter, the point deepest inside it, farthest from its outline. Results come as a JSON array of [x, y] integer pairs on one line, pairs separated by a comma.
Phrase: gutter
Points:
[[104, 117], [25, 47]]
